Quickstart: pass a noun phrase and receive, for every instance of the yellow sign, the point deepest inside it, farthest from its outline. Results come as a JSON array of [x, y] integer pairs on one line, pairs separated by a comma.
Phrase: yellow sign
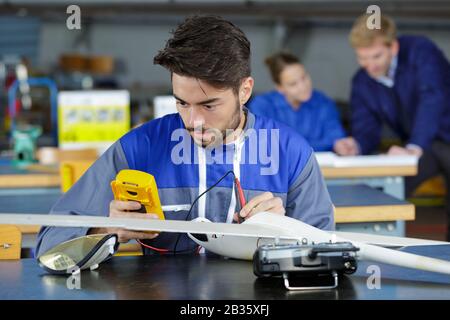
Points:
[[92, 118]]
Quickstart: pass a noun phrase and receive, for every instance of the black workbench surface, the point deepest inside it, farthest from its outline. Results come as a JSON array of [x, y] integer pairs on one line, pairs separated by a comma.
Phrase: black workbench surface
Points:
[[204, 277]]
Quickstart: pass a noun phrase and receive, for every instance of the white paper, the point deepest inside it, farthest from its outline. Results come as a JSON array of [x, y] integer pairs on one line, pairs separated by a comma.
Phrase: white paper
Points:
[[330, 159]]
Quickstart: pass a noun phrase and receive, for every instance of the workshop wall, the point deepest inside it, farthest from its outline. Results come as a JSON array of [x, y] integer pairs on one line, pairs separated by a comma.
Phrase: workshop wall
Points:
[[323, 49]]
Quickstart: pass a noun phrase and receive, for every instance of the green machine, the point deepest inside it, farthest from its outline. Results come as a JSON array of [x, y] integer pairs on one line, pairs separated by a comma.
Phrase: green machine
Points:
[[24, 140], [24, 136]]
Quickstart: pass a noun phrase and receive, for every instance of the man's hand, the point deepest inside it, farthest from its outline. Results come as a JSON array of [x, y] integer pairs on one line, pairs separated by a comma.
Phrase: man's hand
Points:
[[263, 202], [398, 151], [121, 209], [346, 147]]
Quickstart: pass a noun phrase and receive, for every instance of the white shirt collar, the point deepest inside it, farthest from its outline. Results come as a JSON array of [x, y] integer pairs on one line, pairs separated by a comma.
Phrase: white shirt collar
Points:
[[388, 80]]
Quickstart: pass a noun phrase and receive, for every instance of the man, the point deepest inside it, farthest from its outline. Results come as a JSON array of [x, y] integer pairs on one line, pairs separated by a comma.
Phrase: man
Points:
[[403, 82], [193, 151], [295, 103]]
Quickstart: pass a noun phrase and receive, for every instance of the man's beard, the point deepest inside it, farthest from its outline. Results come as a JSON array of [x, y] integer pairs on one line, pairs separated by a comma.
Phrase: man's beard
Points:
[[219, 136]]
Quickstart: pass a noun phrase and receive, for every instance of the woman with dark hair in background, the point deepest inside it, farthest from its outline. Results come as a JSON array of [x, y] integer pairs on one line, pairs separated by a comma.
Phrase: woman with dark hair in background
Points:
[[295, 103]]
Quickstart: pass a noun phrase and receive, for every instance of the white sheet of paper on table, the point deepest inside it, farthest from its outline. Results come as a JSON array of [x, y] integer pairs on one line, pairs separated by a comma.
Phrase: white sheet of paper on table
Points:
[[330, 159]]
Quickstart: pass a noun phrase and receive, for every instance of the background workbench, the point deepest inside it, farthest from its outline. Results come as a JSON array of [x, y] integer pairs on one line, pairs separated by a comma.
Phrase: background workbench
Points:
[[358, 207], [389, 179], [33, 177]]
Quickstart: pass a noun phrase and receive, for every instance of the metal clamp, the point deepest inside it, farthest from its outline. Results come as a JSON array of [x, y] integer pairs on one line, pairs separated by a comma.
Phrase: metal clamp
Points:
[[286, 284]]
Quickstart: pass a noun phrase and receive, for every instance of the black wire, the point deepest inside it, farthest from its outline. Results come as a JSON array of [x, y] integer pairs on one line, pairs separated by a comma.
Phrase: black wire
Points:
[[193, 204]]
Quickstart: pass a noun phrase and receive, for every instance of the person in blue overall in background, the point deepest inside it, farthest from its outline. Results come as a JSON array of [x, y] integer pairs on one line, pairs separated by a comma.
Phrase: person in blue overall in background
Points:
[[295, 103], [403, 82]]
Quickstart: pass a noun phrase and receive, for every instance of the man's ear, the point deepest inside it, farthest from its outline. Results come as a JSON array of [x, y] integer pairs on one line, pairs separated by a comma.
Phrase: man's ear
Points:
[[246, 89], [395, 47]]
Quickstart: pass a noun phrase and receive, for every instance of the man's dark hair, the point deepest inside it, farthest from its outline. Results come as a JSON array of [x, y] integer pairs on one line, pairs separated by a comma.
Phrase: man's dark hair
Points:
[[278, 61], [208, 48]]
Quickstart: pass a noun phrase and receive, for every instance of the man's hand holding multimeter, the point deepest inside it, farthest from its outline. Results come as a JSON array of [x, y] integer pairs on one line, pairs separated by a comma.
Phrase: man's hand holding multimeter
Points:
[[124, 209], [136, 196]]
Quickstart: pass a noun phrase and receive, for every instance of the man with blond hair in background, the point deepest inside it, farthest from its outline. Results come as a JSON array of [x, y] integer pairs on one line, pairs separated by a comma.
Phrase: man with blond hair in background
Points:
[[403, 82]]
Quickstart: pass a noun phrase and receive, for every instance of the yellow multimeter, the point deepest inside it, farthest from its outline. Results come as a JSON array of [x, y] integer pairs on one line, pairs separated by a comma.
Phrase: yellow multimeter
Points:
[[134, 185]]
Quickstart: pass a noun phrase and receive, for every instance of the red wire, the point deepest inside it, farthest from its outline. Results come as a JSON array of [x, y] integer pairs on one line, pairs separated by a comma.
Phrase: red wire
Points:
[[152, 248], [240, 192], [159, 249]]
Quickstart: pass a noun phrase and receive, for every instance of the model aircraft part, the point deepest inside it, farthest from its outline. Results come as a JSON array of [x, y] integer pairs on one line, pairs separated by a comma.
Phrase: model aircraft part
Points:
[[387, 241], [323, 259], [367, 251], [241, 240], [244, 246], [401, 259], [140, 224], [78, 254]]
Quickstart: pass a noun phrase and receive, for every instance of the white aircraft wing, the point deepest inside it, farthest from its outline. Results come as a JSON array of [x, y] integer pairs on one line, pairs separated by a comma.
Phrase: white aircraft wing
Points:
[[140, 224], [241, 240], [387, 241]]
